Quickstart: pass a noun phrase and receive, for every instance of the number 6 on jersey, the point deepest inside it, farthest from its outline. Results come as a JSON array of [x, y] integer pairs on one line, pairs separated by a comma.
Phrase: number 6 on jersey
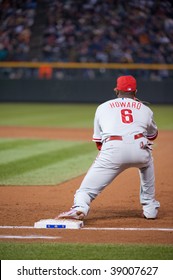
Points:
[[126, 116]]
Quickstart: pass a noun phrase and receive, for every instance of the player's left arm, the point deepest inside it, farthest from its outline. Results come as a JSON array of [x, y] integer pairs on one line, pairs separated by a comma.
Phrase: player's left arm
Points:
[[152, 131]]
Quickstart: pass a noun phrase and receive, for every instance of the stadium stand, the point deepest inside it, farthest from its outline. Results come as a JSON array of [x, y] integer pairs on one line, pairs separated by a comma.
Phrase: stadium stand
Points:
[[134, 31]]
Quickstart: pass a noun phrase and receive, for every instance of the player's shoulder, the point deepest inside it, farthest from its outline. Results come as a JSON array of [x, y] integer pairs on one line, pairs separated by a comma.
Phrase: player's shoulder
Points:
[[146, 108], [106, 103]]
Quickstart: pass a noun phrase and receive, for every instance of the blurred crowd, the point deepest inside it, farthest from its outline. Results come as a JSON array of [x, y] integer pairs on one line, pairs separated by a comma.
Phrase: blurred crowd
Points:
[[16, 20], [116, 31], [139, 31]]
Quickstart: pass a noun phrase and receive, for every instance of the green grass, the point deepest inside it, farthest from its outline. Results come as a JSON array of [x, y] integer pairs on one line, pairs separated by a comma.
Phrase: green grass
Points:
[[57, 251], [67, 115], [43, 162], [52, 115], [163, 116]]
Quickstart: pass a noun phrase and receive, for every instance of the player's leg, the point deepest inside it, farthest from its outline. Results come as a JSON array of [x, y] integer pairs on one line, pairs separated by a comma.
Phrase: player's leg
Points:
[[94, 183], [100, 174], [147, 191]]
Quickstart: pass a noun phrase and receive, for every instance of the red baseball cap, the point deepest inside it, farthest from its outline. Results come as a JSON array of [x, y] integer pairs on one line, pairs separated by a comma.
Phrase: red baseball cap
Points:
[[126, 83]]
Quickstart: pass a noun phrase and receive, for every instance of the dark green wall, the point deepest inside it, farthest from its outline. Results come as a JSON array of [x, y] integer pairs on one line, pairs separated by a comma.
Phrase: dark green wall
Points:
[[82, 91]]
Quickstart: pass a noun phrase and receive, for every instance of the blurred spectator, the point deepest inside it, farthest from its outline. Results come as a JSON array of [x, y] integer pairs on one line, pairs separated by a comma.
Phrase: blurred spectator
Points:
[[45, 72], [3, 52]]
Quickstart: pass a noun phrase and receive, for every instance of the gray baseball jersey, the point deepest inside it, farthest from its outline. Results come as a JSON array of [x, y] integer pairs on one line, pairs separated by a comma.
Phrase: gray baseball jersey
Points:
[[123, 116]]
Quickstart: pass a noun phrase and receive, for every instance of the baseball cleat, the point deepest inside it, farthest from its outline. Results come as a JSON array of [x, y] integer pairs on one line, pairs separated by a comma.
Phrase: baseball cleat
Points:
[[150, 211], [72, 214], [148, 218]]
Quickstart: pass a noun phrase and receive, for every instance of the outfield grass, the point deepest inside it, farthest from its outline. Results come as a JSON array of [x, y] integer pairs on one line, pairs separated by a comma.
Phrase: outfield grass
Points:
[[57, 251], [67, 115], [50, 115], [43, 162], [163, 116]]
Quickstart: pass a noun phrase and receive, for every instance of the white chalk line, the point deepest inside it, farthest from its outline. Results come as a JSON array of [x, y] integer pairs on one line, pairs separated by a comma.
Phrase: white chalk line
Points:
[[97, 229], [130, 229], [28, 237], [16, 227]]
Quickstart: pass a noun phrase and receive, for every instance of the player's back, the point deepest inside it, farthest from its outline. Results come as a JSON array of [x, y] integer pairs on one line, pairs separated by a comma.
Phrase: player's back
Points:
[[123, 116]]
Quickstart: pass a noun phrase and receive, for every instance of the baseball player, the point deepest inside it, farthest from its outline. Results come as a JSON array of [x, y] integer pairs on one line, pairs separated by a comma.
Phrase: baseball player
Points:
[[123, 130]]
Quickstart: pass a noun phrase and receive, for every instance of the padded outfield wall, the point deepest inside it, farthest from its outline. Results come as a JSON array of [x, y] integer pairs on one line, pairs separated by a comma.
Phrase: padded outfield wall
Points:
[[79, 91]]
